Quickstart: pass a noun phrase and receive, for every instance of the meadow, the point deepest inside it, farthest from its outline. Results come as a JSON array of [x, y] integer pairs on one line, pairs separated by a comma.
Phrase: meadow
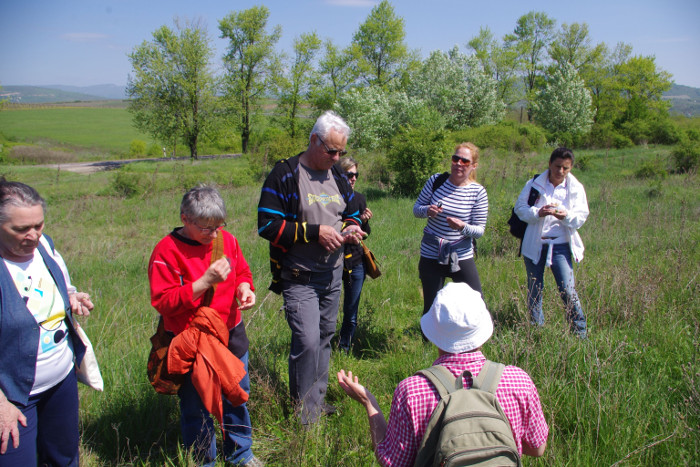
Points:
[[626, 396]]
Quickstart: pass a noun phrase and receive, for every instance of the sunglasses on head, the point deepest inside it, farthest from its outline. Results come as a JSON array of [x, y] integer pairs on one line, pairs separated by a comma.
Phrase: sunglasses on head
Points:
[[461, 160], [352, 174], [332, 152]]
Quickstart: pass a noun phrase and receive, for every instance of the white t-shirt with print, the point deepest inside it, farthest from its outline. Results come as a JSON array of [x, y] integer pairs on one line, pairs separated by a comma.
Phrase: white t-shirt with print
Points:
[[39, 291]]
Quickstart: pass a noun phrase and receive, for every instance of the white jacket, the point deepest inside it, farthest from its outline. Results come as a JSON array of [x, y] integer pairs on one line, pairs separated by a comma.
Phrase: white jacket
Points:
[[576, 206]]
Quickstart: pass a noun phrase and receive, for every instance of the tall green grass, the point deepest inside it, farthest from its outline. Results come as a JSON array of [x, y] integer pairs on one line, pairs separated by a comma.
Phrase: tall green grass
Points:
[[627, 396]]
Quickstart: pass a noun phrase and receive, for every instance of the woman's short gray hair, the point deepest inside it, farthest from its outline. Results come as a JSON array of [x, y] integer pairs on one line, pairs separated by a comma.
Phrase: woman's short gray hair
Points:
[[205, 203], [17, 194], [326, 122]]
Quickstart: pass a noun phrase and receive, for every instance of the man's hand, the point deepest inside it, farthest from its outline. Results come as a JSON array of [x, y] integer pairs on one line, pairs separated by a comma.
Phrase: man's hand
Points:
[[9, 416], [329, 238], [353, 388], [353, 234]]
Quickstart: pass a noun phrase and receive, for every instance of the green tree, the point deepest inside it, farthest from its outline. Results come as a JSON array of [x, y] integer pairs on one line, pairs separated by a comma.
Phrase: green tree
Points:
[[455, 86], [334, 76], [531, 37], [572, 44], [376, 114], [296, 87], [602, 82], [564, 105], [172, 89], [641, 87], [500, 61], [379, 46], [250, 62]]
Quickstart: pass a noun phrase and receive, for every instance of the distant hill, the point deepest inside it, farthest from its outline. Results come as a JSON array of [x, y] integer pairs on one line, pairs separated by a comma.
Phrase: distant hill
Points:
[[108, 91], [58, 93], [684, 100]]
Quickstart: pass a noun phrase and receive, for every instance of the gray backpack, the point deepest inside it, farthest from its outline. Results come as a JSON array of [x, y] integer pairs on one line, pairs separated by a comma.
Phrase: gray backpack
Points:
[[468, 426]]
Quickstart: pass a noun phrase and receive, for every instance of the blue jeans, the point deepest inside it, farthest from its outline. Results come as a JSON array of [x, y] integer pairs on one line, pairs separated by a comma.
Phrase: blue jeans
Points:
[[199, 433], [311, 308], [352, 286], [564, 276], [51, 436]]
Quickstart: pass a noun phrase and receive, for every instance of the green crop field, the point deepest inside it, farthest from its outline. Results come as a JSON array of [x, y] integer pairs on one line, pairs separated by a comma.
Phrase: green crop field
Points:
[[99, 129], [627, 396]]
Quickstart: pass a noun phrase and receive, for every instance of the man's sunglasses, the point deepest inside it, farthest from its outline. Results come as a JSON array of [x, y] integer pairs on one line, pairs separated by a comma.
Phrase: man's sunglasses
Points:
[[332, 152]]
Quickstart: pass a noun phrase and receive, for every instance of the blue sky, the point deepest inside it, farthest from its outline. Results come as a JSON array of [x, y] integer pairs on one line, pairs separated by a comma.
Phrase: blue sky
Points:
[[86, 42]]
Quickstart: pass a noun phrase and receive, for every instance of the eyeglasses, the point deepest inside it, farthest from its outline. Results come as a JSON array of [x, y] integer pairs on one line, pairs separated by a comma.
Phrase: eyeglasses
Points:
[[461, 160], [331, 152], [352, 174], [207, 230]]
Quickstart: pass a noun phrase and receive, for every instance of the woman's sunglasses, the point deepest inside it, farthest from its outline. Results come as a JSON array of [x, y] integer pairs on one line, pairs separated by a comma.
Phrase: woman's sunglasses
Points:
[[461, 160]]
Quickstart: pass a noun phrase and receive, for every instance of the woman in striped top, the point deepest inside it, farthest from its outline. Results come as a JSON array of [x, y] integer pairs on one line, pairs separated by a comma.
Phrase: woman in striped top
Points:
[[456, 210]]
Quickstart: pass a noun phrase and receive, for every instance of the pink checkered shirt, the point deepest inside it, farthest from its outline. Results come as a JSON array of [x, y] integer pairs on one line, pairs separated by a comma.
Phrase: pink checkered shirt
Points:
[[415, 398]]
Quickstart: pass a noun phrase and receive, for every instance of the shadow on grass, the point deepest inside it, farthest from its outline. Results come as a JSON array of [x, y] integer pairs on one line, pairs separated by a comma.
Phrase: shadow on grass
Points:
[[374, 194], [142, 429]]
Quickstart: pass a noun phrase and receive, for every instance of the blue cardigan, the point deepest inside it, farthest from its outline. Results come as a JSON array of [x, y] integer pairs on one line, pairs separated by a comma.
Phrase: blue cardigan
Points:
[[19, 333]]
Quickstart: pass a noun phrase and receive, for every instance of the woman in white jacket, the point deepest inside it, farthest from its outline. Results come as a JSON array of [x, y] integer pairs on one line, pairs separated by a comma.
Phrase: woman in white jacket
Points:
[[551, 238]]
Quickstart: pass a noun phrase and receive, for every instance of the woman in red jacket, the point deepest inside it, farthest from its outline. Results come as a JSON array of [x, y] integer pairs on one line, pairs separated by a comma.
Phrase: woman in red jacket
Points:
[[180, 271]]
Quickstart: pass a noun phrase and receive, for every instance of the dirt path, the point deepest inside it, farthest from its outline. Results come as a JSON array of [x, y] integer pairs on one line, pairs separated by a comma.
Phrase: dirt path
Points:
[[92, 167]]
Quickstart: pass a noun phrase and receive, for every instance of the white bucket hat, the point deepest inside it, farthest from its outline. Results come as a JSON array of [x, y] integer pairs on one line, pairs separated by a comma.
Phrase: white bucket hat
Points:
[[458, 320]]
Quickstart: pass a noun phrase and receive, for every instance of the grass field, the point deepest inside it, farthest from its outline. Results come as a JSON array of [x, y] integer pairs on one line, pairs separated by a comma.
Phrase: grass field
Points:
[[93, 129], [627, 396]]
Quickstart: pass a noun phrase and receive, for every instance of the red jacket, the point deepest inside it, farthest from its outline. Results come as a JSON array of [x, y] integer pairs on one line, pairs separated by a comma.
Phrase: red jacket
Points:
[[176, 262], [201, 348]]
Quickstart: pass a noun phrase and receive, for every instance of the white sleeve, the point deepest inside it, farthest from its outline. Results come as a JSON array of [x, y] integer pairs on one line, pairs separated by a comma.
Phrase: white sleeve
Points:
[[61, 264]]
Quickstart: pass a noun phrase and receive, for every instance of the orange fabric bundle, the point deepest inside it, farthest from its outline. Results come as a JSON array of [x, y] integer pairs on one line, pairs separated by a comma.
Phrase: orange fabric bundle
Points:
[[203, 349]]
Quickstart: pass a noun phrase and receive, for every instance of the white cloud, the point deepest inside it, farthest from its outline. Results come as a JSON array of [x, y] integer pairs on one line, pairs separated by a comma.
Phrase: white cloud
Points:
[[358, 3], [83, 36]]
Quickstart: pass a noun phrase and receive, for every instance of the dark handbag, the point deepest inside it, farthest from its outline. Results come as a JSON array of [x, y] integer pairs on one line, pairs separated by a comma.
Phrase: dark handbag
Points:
[[161, 379], [370, 262], [517, 226]]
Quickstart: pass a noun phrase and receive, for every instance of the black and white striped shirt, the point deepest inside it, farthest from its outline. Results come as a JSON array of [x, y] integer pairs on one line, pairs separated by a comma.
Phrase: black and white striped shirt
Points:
[[468, 203]]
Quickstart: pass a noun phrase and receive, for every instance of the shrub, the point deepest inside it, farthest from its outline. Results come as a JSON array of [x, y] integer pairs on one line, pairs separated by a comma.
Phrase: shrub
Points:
[[686, 156], [664, 131], [651, 169], [128, 184], [414, 156], [137, 147], [507, 136], [155, 150], [582, 162]]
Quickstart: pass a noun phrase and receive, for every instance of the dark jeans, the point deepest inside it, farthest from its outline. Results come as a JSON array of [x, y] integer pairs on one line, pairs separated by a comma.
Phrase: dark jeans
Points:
[[352, 285], [433, 275], [51, 436], [199, 433]]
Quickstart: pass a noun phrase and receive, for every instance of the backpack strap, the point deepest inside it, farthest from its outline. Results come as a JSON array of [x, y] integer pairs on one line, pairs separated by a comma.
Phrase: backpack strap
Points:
[[440, 180], [489, 377], [442, 379], [534, 194]]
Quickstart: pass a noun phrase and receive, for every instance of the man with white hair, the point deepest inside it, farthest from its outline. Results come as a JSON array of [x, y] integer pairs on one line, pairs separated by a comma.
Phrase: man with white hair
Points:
[[458, 324], [307, 212]]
